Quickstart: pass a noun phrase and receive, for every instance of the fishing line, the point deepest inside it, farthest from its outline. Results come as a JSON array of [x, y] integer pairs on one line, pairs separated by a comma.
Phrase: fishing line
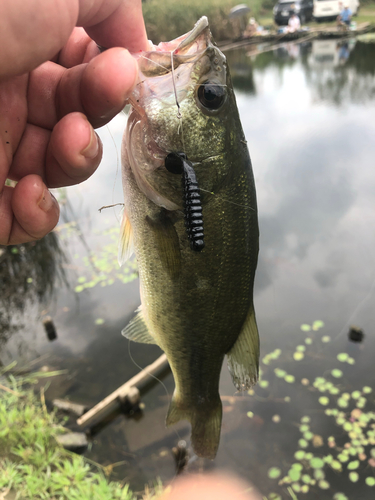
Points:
[[157, 379]]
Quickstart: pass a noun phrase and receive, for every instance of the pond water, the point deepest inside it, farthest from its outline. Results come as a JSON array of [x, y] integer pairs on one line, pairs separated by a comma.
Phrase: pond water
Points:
[[308, 115]]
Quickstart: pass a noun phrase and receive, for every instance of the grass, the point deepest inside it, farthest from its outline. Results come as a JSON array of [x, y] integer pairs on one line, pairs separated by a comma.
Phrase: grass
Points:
[[33, 465]]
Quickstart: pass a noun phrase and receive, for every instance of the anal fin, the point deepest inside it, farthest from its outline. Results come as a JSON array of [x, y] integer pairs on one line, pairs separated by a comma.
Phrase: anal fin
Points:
[[137, 330], [243, 358]]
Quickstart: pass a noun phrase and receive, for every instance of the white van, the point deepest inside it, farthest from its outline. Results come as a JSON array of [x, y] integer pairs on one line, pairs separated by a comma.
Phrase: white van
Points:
[[330, 9]]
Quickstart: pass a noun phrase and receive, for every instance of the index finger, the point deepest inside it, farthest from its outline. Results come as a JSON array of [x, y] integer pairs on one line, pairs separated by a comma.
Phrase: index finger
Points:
[[124, 27]]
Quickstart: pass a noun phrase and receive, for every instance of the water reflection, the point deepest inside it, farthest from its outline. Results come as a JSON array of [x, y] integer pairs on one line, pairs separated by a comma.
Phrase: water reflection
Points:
[[29, 273]]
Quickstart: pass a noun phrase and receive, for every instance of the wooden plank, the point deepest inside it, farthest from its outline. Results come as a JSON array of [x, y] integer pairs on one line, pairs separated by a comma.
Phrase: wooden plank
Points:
[[131, 390]]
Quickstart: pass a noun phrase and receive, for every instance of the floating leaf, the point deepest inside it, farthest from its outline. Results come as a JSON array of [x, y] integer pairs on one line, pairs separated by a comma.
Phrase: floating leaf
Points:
[[356, 394], [343, 357], [290, 379], [370, 481], [342, 403], [306, 478], [305, 419], [99, 321], [319, 474], [340, 496], [323, 400], [304, 428], [274, 472], [351, 361], [280, 373], [335, 464], [298, 356], [304, 488], [301, 348], [250, 414], [326, 339], [303, 443], [308, 341], [263, 384], [308, 435], [305, 328], [305, 381], [336, 373], [324, 485], [294, 474], [299, 455], [354, 476], [316, 463], [276, 419], [366, 390], [297, 466], [274, 496], [317, 324]]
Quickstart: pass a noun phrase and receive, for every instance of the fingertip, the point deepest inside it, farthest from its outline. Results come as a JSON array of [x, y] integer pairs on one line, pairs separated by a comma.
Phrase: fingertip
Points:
[[36, 211], [74, 151]]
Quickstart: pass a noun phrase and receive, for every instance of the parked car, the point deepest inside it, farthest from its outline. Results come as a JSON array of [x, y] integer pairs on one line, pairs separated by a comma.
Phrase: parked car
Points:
[[330, 9], [284, 8]]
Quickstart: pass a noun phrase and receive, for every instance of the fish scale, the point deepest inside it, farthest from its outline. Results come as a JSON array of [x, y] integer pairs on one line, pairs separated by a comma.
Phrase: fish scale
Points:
[[196, 305]]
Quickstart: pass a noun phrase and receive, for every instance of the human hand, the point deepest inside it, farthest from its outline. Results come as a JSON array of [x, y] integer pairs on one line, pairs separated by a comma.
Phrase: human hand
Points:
[[55, 86], [210, 487]]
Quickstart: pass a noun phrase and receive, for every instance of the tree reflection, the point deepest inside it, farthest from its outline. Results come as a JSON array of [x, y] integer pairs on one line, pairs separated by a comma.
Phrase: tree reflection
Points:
[[29, 274]]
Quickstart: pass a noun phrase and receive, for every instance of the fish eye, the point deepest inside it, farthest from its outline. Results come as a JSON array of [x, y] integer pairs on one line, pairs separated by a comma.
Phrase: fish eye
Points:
[[211, 95]]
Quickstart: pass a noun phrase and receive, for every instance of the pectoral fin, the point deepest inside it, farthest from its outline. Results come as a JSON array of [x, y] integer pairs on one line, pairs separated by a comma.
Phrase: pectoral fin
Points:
[[137, 330], [243, 358], [126, 247], [167, 243]]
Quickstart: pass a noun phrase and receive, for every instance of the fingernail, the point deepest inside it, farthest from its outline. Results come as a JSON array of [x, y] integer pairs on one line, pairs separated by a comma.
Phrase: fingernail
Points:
[[92, 150], [46, 201]]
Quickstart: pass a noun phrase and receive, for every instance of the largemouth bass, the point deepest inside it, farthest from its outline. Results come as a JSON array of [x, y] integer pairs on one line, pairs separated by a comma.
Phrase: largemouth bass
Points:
[[191, 217]]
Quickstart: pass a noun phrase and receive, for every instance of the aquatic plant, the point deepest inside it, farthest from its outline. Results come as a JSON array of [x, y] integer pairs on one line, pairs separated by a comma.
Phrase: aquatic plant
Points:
[[343, 444]]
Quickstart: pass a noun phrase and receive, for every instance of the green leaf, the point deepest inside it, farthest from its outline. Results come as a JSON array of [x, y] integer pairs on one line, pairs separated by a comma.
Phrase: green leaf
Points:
[[280, 373], [305, 419], [356, 394], [305, 327], [301, 348], [263, 384], [317, 324], [316, 463], [366, 390], [326, 339], [294, 474], [370, 481], [299, 455], [298, 356], [302, 443], [323, 400], [353, 465], [274, 472], [324, 485], [354, 476], [343, 356], [336, 373], [290, 379]]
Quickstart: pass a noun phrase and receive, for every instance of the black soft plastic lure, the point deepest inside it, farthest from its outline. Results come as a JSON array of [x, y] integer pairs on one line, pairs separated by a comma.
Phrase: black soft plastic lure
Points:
[[177, 163]]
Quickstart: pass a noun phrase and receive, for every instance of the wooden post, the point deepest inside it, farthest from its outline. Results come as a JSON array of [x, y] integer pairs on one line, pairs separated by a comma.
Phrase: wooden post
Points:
[[130, 391]]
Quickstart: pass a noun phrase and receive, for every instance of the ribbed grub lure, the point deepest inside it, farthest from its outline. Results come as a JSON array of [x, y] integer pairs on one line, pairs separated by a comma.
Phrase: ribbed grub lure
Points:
[[177, 163]]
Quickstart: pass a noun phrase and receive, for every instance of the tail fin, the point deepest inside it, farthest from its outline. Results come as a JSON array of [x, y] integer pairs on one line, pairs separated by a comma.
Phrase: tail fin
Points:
[[205, 424]]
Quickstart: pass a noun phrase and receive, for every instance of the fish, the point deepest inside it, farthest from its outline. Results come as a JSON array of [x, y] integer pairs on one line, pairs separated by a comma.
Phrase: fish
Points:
[[190, 217]]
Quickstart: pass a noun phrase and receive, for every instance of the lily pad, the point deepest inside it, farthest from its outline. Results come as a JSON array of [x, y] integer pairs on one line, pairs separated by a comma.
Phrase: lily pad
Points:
[[336, 373], [343, 356], [353, 465], [323, 400], [305, 328], [298, 356], [370, 481]]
